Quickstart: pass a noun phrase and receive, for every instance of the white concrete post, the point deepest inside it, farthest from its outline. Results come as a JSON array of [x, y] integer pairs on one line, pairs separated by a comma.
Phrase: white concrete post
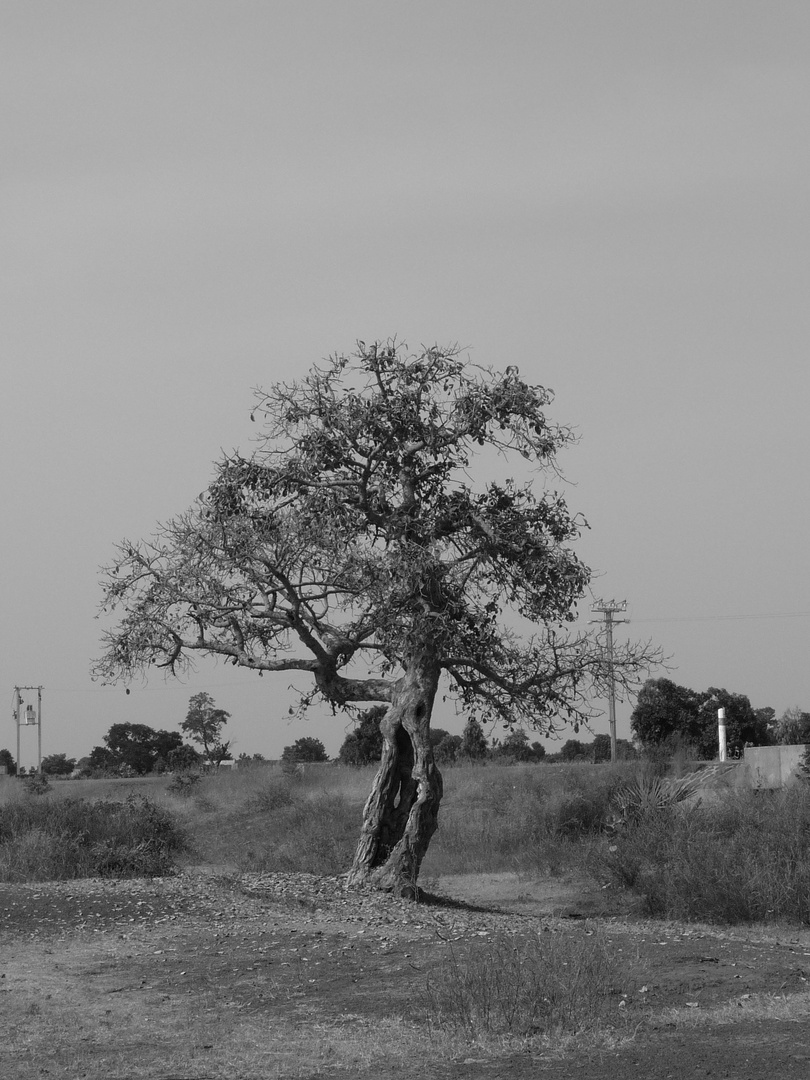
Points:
[[721, 732]]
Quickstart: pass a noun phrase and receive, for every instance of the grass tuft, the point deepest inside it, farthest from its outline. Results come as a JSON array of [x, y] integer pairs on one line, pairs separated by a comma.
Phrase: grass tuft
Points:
[[526, 985]]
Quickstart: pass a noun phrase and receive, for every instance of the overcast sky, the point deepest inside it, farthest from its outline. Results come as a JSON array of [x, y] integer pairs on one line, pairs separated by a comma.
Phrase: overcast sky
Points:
[[201, 197]]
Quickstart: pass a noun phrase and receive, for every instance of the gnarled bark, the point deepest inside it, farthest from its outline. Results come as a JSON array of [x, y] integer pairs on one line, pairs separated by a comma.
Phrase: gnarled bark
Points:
[[401, 812]]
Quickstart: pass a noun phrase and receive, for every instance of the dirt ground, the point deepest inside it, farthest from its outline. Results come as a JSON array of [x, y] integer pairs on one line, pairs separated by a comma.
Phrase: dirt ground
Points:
[[279, 975]]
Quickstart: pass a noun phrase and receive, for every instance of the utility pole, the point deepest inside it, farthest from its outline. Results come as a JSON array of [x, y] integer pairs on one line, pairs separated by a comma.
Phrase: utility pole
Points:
[[609, 608], [31, 718]]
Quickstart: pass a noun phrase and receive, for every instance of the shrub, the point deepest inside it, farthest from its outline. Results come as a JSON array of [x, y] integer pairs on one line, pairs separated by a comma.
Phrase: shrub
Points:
[[60, 839], [36, 784], [184, 783]]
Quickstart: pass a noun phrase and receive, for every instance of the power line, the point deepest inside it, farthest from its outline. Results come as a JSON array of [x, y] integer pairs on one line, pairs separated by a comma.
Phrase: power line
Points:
[[723, 618]]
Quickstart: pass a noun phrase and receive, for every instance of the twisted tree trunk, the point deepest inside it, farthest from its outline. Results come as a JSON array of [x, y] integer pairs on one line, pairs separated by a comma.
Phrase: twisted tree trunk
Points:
[[401, 812]]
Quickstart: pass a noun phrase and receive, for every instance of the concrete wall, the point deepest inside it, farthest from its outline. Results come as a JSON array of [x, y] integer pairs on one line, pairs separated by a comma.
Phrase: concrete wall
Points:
[[773, 766]]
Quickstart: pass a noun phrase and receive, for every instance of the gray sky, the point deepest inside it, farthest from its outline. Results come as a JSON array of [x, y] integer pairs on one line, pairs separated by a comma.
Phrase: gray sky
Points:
[[201, 197]]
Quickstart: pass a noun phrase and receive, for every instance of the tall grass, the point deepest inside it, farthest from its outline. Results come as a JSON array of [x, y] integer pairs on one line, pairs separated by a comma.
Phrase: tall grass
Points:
[[263, 820], [528, 819], [744, 858], [44, 839]]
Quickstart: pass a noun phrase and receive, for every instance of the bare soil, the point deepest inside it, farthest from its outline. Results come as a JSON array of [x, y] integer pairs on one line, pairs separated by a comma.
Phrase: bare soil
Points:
[[276, 975]]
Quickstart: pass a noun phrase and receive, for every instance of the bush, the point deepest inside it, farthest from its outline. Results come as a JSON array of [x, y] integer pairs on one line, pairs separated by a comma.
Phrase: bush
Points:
[[524, 985], [36, 784], [744, 859], [184, 783], [60, 839]]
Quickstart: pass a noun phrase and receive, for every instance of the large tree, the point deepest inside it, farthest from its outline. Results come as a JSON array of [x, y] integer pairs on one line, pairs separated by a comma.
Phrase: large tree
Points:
[[354, 546], [136, 746]]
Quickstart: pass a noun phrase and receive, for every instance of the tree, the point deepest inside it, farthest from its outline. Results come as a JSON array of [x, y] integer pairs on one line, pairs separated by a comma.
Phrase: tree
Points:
[[353, 546], [767, 718], [744, 725], [7, 760], [516, 747], [183, 759], [447, 749], [573, 750], [793, 727], [364, 745], [102, 759], [474, 743], [58, 765], [203, 725], [625, 751], [305, 750], [667, 716], [136, 747], [600, 748], [247, 760]]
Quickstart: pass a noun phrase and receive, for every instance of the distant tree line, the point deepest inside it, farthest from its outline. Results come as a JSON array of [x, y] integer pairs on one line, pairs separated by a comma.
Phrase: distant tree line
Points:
[[363, 745], [668, 718], [137, 749]]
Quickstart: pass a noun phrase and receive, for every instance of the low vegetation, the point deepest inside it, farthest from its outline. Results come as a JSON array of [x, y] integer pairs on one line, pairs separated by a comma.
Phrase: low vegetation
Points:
[[525, 985], [54, 839], [743, 858], [728, 857]]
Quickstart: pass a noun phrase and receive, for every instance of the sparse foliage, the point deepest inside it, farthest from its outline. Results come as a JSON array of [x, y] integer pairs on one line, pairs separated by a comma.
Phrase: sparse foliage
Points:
[[354, 540]]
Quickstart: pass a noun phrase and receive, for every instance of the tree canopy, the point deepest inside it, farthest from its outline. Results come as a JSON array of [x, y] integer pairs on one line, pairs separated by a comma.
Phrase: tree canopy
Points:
[[793, 727], [133, 746], [667, 717], [304, 750], [364, 744], [58, 765], [354, 546]]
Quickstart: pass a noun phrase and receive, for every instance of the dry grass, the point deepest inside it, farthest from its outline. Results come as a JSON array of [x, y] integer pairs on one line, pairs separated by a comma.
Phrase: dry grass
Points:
[[525, 985], [742, 859]]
